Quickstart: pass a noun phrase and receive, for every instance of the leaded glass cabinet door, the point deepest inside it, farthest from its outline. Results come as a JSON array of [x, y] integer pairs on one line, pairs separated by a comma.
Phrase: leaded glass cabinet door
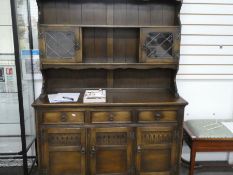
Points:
[[60, 44], [159, 44]]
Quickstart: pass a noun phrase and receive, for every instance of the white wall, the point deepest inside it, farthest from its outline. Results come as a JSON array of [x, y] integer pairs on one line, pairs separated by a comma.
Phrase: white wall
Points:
[[205, 78]]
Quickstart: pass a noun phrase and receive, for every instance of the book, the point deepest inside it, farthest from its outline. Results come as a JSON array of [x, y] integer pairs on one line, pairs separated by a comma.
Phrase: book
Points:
[[94, 96]]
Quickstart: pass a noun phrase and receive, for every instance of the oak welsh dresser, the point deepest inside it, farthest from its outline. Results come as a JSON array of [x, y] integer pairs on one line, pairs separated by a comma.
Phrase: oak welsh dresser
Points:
[[130, 48]]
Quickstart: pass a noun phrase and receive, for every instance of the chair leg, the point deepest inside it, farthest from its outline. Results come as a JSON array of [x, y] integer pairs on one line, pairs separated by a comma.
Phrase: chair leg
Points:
[[192, 160]]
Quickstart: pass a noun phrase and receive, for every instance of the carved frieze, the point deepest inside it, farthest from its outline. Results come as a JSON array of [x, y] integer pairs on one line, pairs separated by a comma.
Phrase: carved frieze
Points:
[[113, 138], [64, 139], [156, 137]]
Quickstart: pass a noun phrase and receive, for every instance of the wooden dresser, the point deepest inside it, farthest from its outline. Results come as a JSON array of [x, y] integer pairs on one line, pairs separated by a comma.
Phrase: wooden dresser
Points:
[[130, 48]]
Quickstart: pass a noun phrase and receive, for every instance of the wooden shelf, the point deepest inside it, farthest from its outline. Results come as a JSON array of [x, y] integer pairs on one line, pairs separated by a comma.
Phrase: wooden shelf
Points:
[[107, 26], [109, 66], [122, 97]]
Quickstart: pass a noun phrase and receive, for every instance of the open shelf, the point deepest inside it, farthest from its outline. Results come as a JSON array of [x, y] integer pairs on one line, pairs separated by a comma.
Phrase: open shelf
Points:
[[57, 80], [108, 26], [122, 96], [110, 66]]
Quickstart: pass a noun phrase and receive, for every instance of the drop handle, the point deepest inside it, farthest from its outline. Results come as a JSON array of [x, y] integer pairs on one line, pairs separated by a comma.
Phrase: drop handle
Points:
[[63, 117], [111, 117], [83, 151], [139, 148], [157, 115], [93, 150]]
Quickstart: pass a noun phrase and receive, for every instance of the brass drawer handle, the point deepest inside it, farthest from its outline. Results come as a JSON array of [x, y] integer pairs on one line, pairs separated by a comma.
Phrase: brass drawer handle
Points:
[[111, 117], [63, 117], [157, 115]]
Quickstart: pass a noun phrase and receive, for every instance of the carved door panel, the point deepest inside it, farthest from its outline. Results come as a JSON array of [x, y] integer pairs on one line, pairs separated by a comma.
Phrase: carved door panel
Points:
[[111, 151], [64, 151], [156, 150], [60, 44]]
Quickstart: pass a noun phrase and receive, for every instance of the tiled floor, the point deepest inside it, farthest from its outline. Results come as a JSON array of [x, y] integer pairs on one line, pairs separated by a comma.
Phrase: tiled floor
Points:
[[184, 171]]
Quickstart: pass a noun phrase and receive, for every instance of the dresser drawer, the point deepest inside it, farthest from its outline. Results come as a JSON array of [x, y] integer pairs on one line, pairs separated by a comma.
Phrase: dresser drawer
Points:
[[111, 117], [150, 116], [63, 117]]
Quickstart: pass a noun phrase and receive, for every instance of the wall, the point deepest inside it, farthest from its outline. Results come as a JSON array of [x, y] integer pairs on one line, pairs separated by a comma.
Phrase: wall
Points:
[[205, 78]]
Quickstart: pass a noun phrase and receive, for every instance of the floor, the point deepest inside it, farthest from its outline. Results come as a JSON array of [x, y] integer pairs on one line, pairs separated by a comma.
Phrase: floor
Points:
[[184, 171]]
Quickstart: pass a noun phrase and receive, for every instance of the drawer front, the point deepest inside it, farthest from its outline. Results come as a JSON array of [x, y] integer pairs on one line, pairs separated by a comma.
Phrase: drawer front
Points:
[[111, 117], [63, 117], [150, 116]]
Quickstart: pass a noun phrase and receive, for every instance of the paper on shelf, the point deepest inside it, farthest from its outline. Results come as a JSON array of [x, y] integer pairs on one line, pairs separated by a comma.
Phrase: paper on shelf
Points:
[[94, 96], [228, 125], [63, 97]]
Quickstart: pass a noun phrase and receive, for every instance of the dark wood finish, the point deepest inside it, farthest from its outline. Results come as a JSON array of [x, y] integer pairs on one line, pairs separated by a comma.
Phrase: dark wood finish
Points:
[[63, 117], [123, 97], [108, 26], [111, 117], [139, 128], [156, 150], [155, 116], [76, 44], [111, 151], [117, 12], [98, 78], [205, 145], [175, 31], [110, 66], [64, 150]]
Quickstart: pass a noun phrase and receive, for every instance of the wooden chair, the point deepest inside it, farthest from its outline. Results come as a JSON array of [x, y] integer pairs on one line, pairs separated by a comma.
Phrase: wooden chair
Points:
[[207, 136]]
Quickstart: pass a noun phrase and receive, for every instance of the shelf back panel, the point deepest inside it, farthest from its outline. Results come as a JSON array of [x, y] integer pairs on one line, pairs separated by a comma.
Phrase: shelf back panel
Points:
[[63, 80], [110, 12], [58, 80], [152, 78], [108, 45]]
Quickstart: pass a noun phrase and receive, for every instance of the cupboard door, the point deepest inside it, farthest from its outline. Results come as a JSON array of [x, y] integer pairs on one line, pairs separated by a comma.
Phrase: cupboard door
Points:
[[64, 151], [60, 44], [111, 151], [159, 44], [156, 150]]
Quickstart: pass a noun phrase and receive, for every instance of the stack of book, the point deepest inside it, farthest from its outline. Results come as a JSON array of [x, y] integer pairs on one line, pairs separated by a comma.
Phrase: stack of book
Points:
[[94, 96]]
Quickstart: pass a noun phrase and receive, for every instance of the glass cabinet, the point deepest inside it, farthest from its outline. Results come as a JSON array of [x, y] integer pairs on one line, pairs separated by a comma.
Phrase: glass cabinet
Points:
[[17, 125]]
